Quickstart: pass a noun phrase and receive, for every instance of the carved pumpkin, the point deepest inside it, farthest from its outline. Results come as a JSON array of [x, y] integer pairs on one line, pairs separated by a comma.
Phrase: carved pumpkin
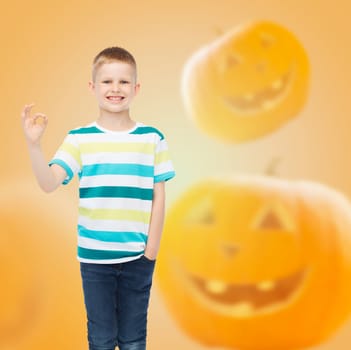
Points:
[[247, 83], [41, 300], [257, 263]]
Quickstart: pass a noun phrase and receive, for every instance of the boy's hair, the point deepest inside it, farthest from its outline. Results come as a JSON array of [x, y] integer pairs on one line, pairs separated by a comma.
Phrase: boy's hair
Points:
[[112, 54]]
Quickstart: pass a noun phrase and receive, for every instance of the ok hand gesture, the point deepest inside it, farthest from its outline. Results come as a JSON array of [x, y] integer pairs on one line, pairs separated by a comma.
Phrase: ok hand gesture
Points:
[[33, 125]]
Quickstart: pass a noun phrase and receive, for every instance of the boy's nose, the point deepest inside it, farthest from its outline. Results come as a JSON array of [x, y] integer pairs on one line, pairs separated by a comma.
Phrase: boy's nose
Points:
[[115, 87]]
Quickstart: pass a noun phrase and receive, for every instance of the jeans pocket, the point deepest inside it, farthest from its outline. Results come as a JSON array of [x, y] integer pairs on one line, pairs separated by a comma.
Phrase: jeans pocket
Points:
[[144, 258]]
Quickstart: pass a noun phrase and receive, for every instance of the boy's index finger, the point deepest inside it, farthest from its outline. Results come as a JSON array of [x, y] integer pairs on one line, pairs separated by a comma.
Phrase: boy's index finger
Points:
[[40, 116]]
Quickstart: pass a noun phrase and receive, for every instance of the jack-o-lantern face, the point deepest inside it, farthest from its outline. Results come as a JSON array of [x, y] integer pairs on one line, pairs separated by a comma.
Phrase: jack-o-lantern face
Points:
[[247, 83], [245, 261], [41, 301], [270, 225]]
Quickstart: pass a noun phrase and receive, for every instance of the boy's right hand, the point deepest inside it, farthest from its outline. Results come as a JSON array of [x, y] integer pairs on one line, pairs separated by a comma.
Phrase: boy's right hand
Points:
[[33, 125]]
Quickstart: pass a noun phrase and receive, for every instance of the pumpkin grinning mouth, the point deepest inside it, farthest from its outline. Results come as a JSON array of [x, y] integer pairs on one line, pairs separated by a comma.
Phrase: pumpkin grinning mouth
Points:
[[244, 300], [265, 99]]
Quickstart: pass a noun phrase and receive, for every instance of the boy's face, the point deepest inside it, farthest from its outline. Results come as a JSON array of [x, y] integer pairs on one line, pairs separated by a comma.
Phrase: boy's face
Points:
[[115, 86]]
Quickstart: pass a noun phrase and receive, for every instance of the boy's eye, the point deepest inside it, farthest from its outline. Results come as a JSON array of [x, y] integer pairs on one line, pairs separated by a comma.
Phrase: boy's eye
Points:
[[124, 82], [106, 81]]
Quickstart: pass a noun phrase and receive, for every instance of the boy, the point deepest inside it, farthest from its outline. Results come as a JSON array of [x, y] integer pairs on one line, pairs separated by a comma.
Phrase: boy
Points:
[[122, 167]]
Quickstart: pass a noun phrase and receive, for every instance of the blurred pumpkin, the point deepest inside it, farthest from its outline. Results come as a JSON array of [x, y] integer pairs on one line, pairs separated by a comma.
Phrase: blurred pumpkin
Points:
[[257, 263], [41, 301], [246, 83]]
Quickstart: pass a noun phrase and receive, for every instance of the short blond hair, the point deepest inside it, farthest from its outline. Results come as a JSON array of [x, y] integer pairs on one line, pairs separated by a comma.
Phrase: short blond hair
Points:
[[112, 54]]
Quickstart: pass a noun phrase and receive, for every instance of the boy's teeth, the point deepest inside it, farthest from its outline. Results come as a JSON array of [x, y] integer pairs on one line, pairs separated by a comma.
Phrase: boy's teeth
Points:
[[114, 98]]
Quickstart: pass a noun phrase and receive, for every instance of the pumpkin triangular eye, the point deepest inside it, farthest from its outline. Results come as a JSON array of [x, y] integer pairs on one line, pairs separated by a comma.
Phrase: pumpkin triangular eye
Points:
[[271, 221], [274, 217], [202, 213], [233, 60]]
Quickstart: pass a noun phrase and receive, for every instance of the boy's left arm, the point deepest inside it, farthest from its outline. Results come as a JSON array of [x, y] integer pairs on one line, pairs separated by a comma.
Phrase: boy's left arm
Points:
[[156, 221]]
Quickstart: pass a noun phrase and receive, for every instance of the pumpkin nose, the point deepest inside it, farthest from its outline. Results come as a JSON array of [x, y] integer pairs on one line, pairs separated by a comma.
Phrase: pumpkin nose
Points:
[[229, 249]]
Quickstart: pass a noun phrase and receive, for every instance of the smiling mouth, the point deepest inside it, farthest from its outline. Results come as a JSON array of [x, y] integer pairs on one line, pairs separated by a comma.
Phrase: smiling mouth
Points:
[[264, 99], [246, 300], [115, 98]]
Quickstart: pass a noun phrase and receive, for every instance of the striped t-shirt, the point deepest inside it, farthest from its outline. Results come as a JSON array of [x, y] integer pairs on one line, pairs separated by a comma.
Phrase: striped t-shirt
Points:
[[117, 171]]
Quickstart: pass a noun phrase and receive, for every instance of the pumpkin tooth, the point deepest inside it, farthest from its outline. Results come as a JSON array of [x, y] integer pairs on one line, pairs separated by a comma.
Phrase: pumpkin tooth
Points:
[[243, 309], [249, 97], [277, 84], [216, 287], [266, 286], [267, 104]]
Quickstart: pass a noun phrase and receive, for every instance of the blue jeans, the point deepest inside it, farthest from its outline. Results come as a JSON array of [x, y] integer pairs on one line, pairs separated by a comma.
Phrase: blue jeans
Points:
[[116, 299]]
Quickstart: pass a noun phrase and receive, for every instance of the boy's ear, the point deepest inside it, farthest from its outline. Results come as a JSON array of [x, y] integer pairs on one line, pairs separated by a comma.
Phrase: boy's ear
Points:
[[91, 86], [137, 88]]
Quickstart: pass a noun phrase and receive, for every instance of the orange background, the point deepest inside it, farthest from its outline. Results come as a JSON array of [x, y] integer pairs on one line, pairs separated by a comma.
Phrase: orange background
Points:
[[47, 50]]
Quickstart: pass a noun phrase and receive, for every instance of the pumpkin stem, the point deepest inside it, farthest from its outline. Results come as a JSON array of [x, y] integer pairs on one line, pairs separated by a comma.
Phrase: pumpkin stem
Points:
[[272, 167]]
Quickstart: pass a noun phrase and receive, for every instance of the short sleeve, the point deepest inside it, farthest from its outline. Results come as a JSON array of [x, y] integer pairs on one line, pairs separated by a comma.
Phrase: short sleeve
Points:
[[164, 170], [68, 157]]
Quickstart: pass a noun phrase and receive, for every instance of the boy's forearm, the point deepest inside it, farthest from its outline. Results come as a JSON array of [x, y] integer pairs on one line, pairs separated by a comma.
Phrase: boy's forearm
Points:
[[156, 222], [46, 178]]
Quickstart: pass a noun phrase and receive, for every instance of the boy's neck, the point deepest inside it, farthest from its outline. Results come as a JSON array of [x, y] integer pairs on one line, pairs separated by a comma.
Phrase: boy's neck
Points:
[[115, 121]]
